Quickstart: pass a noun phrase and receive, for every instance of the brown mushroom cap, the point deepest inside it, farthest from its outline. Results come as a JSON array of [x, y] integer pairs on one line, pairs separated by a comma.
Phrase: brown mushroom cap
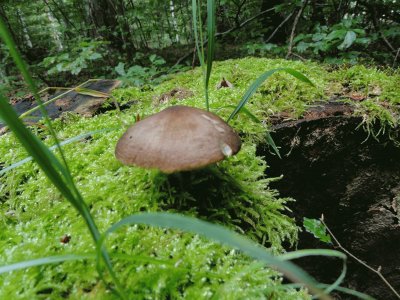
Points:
[[179, 138]]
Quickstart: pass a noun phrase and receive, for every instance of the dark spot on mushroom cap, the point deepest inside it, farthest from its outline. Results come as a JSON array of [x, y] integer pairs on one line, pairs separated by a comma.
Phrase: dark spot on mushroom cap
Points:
[[179, 138]]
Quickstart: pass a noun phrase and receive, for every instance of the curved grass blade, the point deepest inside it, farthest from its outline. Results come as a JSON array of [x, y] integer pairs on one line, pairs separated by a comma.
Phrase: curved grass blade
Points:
[[44, 261], [321, 252], [259, 81], [243, 110], [349, 292], [339, 288], [65, 142], [221, 235], [269, 139]]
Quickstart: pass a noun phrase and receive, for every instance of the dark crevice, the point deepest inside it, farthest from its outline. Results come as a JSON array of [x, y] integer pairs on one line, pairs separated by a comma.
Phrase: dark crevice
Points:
[[330, 167]]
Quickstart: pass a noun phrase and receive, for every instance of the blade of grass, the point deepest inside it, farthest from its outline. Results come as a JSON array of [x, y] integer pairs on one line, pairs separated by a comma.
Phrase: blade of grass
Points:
[[339, 288], [44, 261], [259, 81], [5, 35], [321, 252], [196, 17], [198, 33], [211, 17], [68, 90], [269, 139], [58, 174], [221, 235], [72, 257]]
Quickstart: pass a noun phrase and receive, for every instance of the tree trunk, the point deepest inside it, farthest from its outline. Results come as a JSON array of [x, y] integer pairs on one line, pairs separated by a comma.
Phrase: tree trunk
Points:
[[104, 15], [272, 21]]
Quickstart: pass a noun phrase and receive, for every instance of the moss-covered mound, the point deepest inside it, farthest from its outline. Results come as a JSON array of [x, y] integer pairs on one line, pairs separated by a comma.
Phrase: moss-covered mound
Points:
[[157, 263]]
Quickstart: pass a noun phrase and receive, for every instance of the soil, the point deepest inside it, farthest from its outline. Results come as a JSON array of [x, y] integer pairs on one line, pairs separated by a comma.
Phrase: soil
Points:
[[331, 166]]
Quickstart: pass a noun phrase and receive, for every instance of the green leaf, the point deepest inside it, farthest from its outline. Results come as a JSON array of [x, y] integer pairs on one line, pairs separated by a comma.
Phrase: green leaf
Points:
[[318, 229], [252, 89], [302, 46], [219, 234], [120, 69], [95, 56], [349, 39], [336, 34], [157, 60]]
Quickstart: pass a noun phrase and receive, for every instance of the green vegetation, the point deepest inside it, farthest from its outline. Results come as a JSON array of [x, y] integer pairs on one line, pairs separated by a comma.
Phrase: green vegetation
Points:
[[67, 38], [160, 262]]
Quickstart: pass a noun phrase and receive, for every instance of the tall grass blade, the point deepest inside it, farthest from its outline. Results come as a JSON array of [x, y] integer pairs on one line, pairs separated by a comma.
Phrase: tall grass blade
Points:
[[211, 17], [46, 159], [221, 235], [196, 21], [58, 174], [5, 35], [259, 81]]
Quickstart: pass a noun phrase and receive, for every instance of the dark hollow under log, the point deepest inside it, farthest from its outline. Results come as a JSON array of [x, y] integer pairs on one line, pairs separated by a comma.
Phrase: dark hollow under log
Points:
[[331, 167]]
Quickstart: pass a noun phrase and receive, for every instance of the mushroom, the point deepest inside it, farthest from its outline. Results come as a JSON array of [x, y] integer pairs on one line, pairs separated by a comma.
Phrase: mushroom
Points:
[[179, 138]]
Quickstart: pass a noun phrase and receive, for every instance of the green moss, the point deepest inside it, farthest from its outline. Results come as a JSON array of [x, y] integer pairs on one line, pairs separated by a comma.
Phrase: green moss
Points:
[[157, 263]]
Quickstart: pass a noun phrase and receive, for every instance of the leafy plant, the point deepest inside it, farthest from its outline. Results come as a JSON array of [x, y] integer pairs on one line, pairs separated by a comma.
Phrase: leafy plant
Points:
[[75, 60], [138, 75], [327, 40]]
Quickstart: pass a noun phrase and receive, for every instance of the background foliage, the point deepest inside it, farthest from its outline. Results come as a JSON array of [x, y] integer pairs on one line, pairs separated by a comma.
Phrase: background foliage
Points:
[[140, 41]]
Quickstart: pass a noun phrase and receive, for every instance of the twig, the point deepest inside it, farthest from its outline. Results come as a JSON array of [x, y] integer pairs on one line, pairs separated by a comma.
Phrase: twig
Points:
[[296, 20], [298, 56], [377, 272], [224, 33], [395, 58], [279, 26], [377, 28]]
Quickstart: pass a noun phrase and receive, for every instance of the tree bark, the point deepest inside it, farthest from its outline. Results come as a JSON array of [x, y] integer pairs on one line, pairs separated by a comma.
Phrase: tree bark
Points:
[[104, 15], [273, 20]]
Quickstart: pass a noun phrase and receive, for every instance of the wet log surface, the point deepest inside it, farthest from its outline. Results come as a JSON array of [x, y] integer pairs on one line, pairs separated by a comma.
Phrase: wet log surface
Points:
[[331, 167], [84, 105]]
